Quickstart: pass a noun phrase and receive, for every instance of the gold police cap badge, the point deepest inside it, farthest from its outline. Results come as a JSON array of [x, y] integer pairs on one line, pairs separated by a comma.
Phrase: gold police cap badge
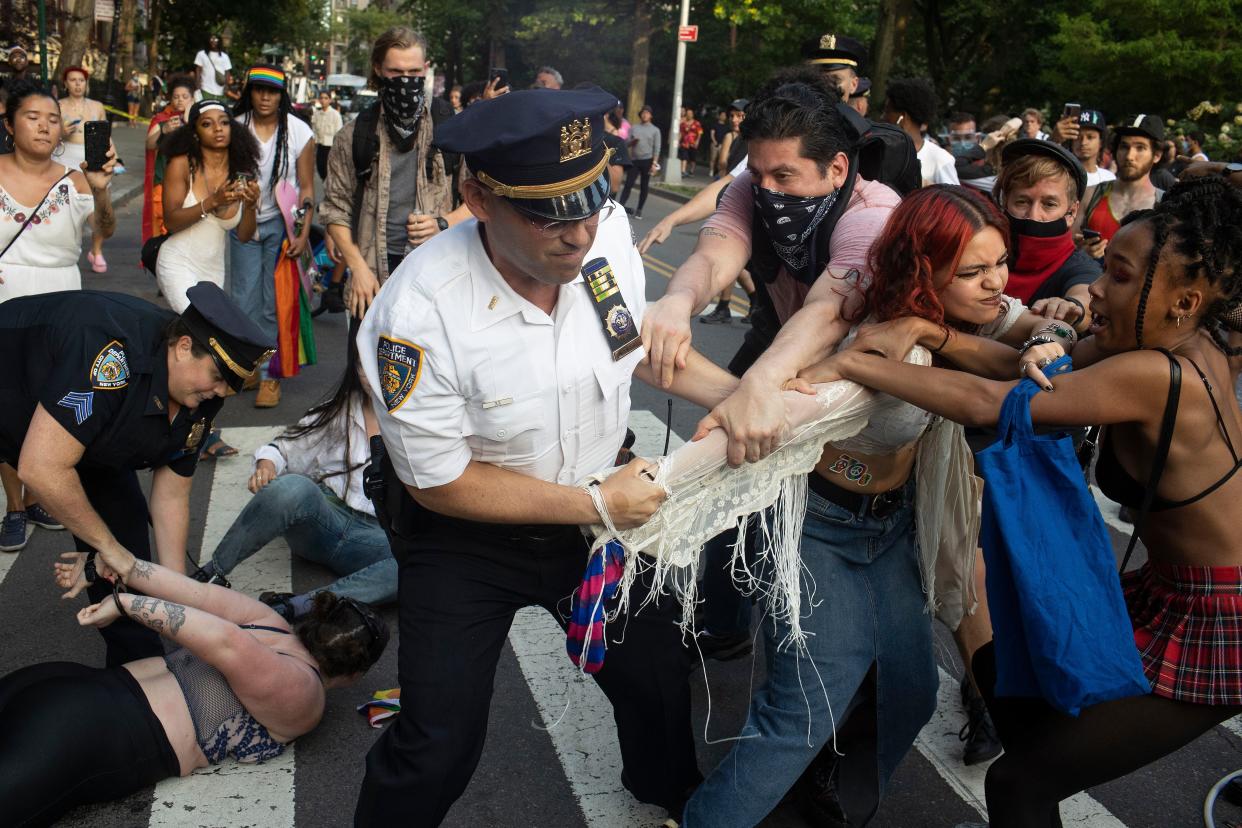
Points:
[[575, 140], [828, 41]]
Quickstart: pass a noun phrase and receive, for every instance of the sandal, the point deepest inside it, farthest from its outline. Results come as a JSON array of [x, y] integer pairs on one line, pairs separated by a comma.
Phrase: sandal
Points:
[[214, 447]]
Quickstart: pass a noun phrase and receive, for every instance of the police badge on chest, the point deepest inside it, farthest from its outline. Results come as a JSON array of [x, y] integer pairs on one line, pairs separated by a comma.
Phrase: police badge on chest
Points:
[[617, 321]]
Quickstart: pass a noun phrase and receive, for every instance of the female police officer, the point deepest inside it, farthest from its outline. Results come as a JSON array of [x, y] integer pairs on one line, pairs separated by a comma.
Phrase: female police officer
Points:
[[101, 384], [501, 379]]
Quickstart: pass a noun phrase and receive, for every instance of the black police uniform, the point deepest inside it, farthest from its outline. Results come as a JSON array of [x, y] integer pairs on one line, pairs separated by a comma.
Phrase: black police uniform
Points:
[[97, 363], [461, 581]]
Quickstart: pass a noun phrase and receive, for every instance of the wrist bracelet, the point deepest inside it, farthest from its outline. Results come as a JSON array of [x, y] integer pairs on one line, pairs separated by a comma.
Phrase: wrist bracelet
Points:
[[601, 507], [943, 342], [1037, 339], [1063, 330], [202, 208]]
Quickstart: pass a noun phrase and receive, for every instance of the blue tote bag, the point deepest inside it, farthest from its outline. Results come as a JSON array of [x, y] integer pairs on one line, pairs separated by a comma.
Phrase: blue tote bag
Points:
[[1060, 625]]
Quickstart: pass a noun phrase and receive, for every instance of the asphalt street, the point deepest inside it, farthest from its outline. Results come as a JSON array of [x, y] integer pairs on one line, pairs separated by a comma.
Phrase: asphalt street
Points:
[[532, 773]]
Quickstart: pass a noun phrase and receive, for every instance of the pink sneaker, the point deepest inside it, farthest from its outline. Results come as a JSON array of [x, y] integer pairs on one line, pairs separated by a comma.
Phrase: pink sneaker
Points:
[[98, 263]]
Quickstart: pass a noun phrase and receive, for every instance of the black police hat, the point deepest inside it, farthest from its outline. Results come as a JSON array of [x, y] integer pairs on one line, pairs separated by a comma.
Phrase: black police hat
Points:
[[1038, 146], [740, 104], [543, 149], [863, 90], [831, 51], [216, 323], [1148, 126]]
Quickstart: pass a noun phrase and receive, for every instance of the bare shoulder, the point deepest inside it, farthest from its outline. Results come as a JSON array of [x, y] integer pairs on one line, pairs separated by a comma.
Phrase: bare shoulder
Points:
[[79, 181]]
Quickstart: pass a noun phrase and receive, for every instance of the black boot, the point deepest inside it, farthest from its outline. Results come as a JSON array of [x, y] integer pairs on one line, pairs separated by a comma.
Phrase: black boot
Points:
[[720, 316], [979, 734]]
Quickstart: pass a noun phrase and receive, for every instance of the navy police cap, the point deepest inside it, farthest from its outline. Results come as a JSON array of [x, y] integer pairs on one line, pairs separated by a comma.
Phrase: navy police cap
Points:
[[543, 149], [832, 51], [217, 324]]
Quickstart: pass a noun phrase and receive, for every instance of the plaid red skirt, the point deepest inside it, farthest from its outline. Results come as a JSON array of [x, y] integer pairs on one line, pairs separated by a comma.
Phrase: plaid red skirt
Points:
[[1188, 629]]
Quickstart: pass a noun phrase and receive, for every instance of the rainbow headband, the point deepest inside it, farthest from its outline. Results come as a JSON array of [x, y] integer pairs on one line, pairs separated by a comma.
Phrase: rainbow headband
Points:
[[272, 76]]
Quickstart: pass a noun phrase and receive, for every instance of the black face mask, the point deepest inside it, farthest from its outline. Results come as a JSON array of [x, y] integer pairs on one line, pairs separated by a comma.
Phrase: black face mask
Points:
[[404, 101], [790, 222], [1038, 229]]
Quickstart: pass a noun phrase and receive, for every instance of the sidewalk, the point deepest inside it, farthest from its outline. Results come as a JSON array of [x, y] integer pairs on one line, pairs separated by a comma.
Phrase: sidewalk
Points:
[[683, 192]]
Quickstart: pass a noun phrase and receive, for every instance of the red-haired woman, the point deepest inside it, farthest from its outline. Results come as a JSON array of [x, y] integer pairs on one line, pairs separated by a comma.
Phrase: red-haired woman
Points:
[[941, 262]]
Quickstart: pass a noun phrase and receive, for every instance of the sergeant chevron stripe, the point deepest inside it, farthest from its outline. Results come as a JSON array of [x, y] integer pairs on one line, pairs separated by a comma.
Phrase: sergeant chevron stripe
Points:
[[82, 404]]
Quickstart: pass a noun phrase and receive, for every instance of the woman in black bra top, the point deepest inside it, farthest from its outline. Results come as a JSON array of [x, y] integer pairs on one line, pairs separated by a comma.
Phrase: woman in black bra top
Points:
[[1159, 372], [241, 683]]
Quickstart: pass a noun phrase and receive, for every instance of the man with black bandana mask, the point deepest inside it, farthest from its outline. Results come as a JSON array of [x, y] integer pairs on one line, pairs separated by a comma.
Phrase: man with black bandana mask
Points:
[[388, 189], [1040, 186]]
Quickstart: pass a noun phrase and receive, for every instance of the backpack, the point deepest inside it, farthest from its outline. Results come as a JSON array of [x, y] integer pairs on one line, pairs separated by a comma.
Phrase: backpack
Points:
[[366, 149]]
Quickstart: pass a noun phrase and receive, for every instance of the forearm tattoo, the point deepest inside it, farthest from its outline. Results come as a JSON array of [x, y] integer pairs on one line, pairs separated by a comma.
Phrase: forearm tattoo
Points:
[[161, 616], [712, 231], [105, 217], [142, 570]]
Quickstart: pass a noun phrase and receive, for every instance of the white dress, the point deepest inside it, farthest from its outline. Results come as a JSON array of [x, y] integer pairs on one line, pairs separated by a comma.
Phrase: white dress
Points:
[[194, 254], [45, 257]]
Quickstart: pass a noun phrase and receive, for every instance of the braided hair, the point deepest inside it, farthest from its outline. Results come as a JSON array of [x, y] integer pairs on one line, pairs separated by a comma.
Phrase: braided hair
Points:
[[280, 154], [1202, 220]]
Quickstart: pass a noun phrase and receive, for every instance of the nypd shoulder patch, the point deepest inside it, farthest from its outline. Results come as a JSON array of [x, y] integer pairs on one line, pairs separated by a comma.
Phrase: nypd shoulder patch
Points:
[[400, 365], [110, 370]]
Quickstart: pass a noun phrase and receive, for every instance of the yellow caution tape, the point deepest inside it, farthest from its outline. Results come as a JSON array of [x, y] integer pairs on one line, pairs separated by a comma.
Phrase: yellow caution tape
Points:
[[138, 118]]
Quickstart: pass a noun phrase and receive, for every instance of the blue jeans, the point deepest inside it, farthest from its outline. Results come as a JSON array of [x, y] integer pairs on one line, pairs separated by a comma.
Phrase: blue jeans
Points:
[[320, 528], [869, 610], [252, 274]]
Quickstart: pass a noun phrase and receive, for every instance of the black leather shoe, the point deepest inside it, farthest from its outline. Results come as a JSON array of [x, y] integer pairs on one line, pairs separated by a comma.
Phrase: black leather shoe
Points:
[[815, 792], [279, 601], [720, 316], [979, 733]]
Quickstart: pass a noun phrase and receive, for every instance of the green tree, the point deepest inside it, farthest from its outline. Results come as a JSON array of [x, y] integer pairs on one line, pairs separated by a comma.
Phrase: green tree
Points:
[[365, 25], [1154, 56]]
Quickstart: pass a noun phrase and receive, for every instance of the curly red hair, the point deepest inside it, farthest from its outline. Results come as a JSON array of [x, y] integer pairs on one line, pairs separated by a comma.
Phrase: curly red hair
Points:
[[925, 235]]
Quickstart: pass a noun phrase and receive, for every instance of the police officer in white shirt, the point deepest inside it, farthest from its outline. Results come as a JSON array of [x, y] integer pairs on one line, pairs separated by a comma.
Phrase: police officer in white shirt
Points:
[[500, 368]]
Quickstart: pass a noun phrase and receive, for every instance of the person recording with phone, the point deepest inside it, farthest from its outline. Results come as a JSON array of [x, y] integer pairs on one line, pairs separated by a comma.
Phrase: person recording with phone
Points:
[[171, 118], [77, 111], [210, 187]]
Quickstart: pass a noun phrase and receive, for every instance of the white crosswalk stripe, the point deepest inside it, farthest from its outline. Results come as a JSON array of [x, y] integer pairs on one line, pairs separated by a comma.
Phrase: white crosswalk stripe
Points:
[[575, 711], [231, 793]]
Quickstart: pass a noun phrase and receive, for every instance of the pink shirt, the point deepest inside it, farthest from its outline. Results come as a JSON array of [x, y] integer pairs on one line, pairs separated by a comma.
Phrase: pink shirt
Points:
[[864, 218]]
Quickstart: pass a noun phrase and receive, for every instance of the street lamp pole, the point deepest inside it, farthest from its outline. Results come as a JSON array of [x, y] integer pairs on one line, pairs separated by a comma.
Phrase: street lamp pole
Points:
[[672, 170]]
